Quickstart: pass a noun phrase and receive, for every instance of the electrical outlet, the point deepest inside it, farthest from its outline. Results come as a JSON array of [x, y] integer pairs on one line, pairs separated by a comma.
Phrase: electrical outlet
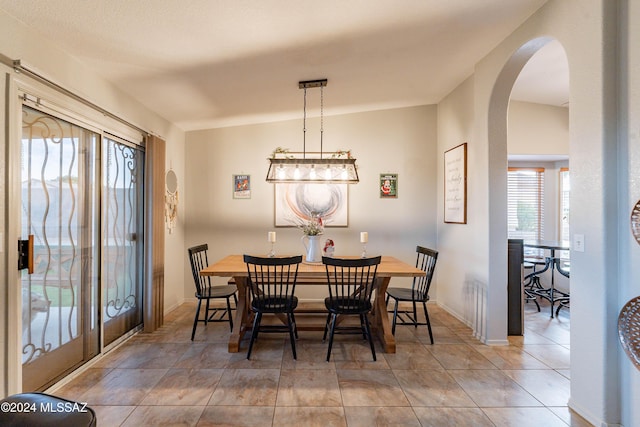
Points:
[[578, 243]]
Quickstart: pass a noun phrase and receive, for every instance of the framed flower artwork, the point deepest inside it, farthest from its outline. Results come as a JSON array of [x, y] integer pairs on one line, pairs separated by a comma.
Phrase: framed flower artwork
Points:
[[298, 202]]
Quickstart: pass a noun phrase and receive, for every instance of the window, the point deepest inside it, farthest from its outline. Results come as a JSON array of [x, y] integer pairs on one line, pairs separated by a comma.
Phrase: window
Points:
[[565, 189], [525, 203]]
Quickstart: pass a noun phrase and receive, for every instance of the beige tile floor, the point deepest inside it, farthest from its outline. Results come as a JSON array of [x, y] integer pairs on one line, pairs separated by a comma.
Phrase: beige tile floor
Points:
[[165, 379]]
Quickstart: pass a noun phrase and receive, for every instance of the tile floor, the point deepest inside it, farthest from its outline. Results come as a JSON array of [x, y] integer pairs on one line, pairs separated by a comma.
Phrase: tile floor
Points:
[[165, 379]]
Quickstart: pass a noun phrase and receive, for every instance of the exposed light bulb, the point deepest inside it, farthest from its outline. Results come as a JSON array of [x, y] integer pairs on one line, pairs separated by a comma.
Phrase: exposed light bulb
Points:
[[344, 174], [312, 172], [327, 173], [281, 173], [296, 173]]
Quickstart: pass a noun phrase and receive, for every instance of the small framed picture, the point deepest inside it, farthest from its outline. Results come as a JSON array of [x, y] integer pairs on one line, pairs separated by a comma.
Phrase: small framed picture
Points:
[[388, 185], [241, 186]]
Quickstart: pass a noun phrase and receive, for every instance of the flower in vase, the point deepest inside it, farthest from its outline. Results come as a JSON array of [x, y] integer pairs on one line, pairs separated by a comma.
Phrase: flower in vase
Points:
[[313, 227]]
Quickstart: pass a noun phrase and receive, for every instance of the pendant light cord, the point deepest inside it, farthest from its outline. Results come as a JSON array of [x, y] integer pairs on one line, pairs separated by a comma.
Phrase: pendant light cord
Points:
[[321, 117], [304, 126]]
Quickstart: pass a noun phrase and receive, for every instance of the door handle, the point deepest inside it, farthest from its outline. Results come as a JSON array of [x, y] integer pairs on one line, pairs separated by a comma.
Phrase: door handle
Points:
[[25, 254]]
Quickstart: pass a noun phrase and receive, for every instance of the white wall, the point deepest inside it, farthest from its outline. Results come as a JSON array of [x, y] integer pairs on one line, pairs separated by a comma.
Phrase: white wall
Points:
[[629, 189], [460, 288], [538, 129], [587, 30], [18, 42], [401, 141]]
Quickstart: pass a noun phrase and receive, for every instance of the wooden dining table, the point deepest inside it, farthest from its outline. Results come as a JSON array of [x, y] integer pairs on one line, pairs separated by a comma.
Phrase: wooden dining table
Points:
[[311, 275]]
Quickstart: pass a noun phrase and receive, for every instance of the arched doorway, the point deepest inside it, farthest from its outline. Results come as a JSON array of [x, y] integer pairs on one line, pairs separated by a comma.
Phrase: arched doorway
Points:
[[498, 132], [539, 186]]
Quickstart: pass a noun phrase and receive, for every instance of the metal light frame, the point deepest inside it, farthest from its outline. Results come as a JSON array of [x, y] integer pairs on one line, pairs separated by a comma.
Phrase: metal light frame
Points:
[[312, 167]]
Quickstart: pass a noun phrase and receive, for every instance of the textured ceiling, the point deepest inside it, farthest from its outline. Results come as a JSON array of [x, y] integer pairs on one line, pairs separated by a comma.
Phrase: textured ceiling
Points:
[[213, 63]]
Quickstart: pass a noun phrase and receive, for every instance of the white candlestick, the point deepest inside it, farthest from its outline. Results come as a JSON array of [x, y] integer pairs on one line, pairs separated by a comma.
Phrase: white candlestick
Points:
[[271, 236], [364, 237]]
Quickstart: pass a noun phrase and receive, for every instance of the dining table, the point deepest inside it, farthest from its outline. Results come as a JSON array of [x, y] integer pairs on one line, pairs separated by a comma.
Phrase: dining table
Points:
[[311, 274], [551, 293]]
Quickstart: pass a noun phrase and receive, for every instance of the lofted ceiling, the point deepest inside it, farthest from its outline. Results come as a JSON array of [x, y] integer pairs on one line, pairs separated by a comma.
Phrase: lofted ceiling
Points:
[[214, 63]]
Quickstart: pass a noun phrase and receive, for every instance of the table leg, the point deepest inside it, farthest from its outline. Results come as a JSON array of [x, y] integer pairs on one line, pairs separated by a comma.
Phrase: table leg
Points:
[[380, 318], [241, 322]]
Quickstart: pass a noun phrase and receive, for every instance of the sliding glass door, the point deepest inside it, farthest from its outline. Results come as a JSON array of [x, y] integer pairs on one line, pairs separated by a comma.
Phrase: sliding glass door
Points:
[[82, 193], [60, 209], [122, 225]]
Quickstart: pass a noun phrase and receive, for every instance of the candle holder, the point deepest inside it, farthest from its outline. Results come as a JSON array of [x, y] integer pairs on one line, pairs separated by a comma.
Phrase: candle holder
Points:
[[271, 238], [364, 239]]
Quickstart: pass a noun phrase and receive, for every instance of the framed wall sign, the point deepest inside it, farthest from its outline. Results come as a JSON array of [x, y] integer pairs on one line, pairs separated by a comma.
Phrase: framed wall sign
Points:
[[388, 185], [241, 186], [455, 185]]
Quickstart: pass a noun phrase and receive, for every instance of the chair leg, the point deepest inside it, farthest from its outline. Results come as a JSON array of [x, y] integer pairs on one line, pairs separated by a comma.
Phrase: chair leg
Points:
[[362, 328], [195, 320], [395, 318], [333, 329], [206, 312], [368, 330], [292, 326], [229, 314], [326, 327], [415, 315], [426, 315], [295, 327], [254, 332]]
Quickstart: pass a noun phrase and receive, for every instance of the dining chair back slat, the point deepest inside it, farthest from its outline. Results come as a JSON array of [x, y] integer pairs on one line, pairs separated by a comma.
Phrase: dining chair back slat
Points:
[[426, 261], [351, 283], [272, 284]]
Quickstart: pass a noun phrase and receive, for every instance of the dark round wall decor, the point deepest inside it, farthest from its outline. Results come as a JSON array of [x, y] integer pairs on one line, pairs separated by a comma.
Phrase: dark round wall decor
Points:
[[635, 221], [629, 329]]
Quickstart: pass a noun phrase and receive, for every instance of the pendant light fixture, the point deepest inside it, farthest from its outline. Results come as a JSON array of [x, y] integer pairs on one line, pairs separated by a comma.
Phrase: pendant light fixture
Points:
[[310, 167]]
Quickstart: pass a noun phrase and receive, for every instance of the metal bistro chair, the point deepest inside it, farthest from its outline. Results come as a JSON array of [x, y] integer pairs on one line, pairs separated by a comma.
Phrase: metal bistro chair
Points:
[[272, 282], [351, 283], [205, 291], [419, 292], [564, 268], [531, 282]]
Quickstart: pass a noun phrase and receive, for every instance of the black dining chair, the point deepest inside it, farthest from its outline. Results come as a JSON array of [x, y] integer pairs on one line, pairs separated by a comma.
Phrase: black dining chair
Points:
[[205, 291], [272, 283], [351, 283], [419, 292]]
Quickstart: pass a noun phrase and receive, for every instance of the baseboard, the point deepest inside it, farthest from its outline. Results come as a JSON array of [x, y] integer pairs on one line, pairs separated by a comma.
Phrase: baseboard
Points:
[[496, 342], [476, 334], [453, 313], [168, 310], [587, 415]]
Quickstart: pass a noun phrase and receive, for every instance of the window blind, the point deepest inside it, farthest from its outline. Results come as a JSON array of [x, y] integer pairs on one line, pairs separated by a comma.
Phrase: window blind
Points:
[[525, 203]]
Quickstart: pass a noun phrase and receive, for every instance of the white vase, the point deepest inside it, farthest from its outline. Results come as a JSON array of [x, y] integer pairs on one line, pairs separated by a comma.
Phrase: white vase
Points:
[[312, 248]]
